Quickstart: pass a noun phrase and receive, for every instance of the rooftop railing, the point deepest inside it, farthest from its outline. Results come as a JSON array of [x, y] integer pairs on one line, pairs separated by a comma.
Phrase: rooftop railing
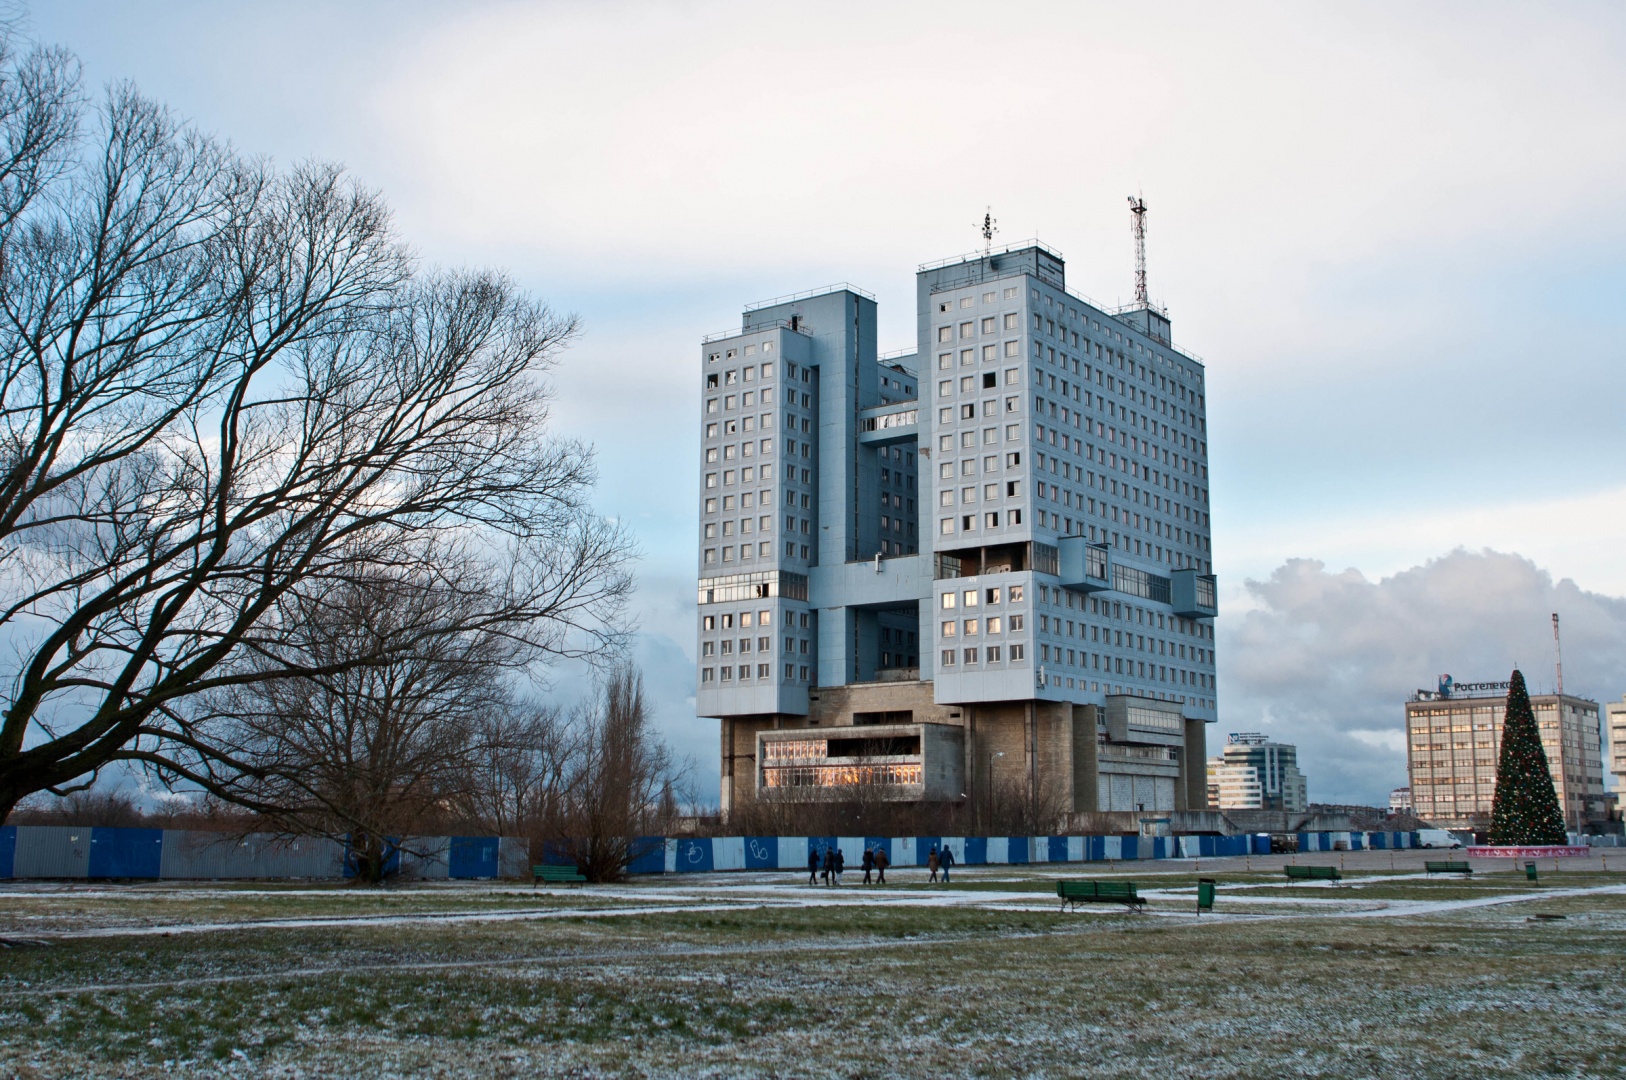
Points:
[[808, 294]]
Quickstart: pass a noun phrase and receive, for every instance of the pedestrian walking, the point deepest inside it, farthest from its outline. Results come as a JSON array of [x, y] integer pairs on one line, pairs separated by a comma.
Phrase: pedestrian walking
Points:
[[931, 862], [841, 864], [881, 862], [812, 866], [947, 859], [829, 869], [868, 864]]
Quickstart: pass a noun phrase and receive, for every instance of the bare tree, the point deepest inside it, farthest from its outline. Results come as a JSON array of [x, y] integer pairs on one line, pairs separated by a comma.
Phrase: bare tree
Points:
[[368, 754], [227, 395], [519, 763], [621, 782]]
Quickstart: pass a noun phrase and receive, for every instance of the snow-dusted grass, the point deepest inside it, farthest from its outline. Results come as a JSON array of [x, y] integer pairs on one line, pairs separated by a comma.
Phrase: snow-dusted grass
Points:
[[759, 975]]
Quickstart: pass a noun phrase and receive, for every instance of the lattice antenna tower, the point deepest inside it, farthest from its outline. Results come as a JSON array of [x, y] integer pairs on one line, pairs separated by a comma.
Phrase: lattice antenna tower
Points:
[[988, 228], [1137, 217]]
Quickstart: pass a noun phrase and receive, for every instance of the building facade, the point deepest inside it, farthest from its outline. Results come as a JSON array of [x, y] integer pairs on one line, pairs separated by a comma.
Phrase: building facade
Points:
[[1453, 737], [980, 568], [1616, 711], [1254, 773], [1400, 800]]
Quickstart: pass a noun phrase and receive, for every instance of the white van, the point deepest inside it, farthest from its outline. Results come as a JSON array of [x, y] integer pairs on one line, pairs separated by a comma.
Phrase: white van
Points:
[[1437, 838]]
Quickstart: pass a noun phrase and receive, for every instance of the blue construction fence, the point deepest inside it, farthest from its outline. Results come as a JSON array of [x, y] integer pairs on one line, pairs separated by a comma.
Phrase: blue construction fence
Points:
[[655, 854], [65, 851]]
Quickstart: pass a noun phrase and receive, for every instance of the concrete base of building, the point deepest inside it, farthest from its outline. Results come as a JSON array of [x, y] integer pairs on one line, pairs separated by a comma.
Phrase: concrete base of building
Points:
[[1052, 760]]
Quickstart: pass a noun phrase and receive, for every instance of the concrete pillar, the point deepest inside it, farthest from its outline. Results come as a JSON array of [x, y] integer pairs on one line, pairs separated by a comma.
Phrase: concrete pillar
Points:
[[1086, 760], [1194, 768]]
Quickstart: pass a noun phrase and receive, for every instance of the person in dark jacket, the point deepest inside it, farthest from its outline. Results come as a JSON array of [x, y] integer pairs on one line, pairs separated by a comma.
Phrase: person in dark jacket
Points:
[[812, 866], [947, 861], [829, 869], [932, 862], [868, 864], [881, 862], [841, 864]]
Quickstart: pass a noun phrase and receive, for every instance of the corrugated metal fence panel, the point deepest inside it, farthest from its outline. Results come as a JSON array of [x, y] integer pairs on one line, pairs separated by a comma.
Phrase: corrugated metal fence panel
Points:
[[8, 849], [793, 852], [205, 855], [648, 855], [52, 851], [852, 849], [426, 857], [968, 850], [761, 852], [728, 853], [513, 857], [125, 853], [473, 857], [923, 848], [903, 850], [694, 856]]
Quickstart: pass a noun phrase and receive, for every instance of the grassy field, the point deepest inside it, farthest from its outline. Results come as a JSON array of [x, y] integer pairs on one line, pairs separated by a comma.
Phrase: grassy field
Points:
[[754, 975]]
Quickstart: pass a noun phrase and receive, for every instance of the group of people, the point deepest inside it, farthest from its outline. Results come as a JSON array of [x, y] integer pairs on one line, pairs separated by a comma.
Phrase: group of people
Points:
[[830, 865]]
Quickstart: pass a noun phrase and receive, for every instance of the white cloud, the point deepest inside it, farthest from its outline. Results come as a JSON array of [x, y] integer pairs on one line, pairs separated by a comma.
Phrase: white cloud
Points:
[[1326, 659]]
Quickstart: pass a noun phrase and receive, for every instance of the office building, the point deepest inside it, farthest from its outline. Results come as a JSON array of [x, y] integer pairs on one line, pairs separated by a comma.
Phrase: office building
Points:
[[1400, 801], [1254, 773], [972, 570], [1453, 737]]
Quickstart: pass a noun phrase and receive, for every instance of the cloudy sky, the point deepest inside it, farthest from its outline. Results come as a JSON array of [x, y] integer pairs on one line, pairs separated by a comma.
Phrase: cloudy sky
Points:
[[1396, 233]]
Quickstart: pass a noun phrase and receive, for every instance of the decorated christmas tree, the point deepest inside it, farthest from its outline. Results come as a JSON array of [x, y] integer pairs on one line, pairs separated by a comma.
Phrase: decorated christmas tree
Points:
[[1526, 811]]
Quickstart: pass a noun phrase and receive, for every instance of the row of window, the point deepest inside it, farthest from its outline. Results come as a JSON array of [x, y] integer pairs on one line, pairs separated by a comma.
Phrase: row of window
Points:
[[826, 776], [763, 549], [1139, 669], [970, 598], [972, 655], [730, 673], [991, 519], [993, 624], [970, 329], [745, 525], [969, 300], [1010, 489], [748, 475], [727, 646], [748, 349], [968, 439]]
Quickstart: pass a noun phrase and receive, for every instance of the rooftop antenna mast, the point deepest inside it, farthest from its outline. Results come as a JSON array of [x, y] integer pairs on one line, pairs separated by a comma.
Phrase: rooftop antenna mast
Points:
[[1558, 653], [989, 228], [1137, 211]]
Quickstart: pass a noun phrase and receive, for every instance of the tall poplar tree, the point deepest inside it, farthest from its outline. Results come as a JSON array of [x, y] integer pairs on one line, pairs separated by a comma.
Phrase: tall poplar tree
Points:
[[1526, 810]]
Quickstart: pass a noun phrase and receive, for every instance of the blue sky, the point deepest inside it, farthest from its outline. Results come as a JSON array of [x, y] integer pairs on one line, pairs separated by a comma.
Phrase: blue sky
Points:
[[1395, 232]]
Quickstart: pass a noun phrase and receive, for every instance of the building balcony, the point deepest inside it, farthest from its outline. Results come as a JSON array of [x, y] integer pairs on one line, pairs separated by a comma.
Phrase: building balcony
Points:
[[1193, 595]]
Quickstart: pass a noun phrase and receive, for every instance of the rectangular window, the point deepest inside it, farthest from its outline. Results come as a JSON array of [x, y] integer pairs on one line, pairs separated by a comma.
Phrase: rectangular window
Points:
[[947, 659], [970, 656]]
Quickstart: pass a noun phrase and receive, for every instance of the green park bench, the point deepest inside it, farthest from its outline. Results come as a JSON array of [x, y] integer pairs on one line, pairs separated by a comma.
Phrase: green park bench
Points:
[[1313, 873], [1078, 891], [555, 875], [1448, 867]]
